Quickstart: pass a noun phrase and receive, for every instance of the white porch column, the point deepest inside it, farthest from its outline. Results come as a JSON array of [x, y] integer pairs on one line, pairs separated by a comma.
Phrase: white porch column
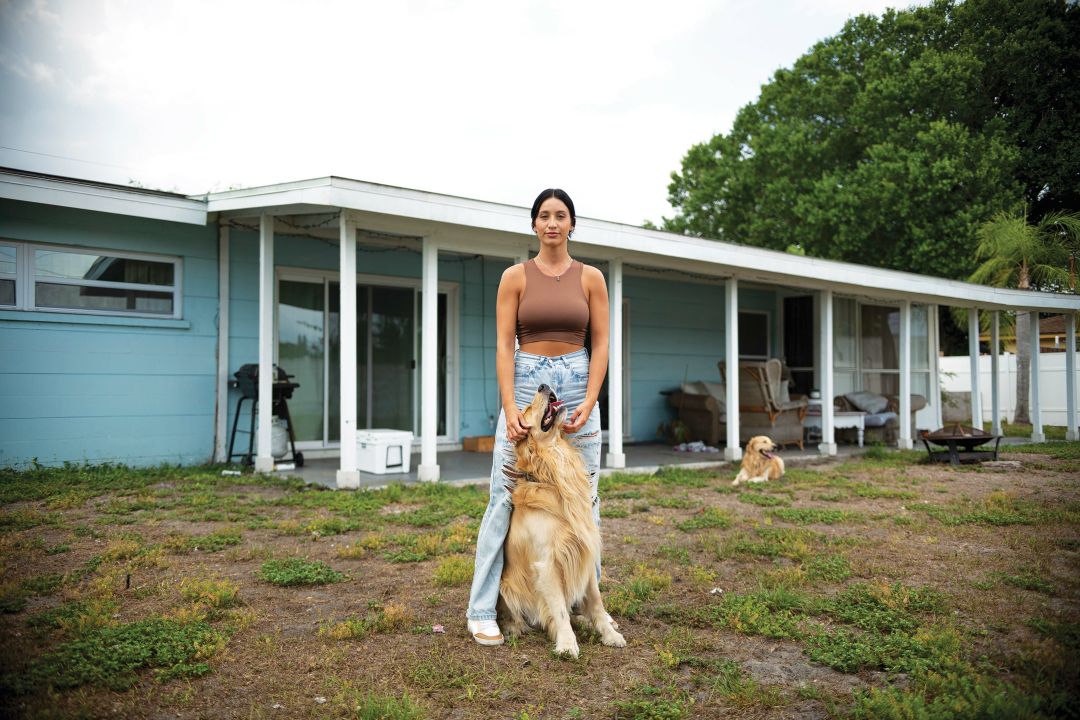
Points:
[[222, 415], [1036, 407], [825, 365], [1072, 432], [264, 461], [935, 365], [732, 451], [995, 390], [429, 361], [904, 442], [615, 457], [973, 356], [348, 476]]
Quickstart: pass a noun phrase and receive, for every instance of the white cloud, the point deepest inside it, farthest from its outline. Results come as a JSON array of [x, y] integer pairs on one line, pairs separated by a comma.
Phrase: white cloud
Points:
[[483, 98]]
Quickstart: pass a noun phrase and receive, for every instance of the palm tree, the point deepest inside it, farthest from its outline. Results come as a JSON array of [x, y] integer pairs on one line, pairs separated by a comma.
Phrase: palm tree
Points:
[[1028, 256]]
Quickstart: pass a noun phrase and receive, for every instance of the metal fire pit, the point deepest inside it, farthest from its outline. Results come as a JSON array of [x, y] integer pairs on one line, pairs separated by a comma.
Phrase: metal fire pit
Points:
[[961, 441]]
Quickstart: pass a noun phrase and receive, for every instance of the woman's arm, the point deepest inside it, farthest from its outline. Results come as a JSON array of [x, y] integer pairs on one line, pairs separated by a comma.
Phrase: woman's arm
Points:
[[596, 292], [506, 309]]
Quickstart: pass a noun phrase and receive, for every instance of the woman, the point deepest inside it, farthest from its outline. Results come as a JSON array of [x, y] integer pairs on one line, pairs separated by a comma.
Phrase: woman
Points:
[[547, 304]]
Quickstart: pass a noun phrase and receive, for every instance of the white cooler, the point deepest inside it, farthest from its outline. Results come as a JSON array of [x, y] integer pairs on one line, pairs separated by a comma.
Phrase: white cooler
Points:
[[382, 451]]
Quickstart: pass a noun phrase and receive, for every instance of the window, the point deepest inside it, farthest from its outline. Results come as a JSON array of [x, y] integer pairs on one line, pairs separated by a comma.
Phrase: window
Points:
[[874, 331], [753, 335], [8, 274], [79, 280]]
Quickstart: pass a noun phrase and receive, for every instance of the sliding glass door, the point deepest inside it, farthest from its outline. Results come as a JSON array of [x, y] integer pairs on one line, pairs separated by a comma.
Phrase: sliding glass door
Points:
[[388, 351]]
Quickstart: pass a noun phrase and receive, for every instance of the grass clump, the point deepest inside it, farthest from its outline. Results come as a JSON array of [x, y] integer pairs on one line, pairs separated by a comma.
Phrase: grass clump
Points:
[[454, 571], [628, 599], [389, 618], [710, 517], [214, 542], [210, 593], [771, 542], [814, 516], [762, 500], [384, 707], [1027, 581], [298, 571], [109, 657], [776, 613]]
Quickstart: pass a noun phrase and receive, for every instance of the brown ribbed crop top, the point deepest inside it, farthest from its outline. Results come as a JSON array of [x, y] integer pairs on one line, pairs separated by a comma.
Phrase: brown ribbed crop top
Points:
[[553, 309]]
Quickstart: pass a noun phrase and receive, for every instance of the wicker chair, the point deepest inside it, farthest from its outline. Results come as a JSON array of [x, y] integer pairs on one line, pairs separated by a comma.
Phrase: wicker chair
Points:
[[765, 408]]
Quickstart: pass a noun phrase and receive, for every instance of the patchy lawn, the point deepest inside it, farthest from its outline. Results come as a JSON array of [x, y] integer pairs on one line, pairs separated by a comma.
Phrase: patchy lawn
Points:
[[872, 588]]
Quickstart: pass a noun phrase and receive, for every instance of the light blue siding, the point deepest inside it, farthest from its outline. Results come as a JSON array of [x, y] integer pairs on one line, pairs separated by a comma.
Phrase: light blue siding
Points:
[[677, 335], [97, 390]]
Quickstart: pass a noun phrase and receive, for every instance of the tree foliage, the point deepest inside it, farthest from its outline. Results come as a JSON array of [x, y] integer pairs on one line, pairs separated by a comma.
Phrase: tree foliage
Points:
[[891, 142]]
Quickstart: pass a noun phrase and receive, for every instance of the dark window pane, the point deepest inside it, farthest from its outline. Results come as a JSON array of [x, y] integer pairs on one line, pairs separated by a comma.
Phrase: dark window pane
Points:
[[80, 266], [753, 335], [52, 295], [7, 259], [7, 292]]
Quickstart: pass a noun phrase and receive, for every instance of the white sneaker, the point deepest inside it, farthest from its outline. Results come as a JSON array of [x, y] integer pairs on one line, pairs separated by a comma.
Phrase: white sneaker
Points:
[[486, 632]]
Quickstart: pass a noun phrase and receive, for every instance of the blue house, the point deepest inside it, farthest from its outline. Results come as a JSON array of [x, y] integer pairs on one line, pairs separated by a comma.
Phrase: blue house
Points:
[[125, 312]]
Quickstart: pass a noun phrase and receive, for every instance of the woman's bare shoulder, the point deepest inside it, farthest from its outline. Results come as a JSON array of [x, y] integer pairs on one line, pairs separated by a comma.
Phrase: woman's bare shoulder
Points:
[[591, 275], [513, 276]]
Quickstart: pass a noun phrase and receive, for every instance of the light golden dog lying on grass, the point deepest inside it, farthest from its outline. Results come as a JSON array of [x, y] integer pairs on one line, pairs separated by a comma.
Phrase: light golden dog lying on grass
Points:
[[553, 544], [759, 463]]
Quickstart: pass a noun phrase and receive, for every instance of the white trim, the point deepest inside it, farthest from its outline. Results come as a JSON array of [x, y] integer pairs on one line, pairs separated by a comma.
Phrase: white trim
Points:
[[732, 451], [632, 244], [1036, 405], [428, 470], [995, 383], [85, 195], [1070, 378], [973, 355], [825, 362], [616, 458], [264, 460], [348, 474], [904, 441], [26, 279], [221, 415]]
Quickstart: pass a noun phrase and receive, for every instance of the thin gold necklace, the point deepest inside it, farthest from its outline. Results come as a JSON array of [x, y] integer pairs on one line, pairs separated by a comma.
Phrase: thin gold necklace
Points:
[[558, 278]]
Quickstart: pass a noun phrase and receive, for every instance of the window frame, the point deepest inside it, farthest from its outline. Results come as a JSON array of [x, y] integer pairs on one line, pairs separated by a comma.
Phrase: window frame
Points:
[[15, 276], [26, 280]]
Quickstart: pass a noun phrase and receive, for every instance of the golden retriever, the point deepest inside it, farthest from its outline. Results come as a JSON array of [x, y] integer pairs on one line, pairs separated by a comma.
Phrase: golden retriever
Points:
[[759, 462], [553, 544]]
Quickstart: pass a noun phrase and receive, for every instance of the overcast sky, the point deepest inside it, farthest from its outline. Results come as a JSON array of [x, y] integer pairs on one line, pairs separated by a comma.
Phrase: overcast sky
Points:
[[492, 100]]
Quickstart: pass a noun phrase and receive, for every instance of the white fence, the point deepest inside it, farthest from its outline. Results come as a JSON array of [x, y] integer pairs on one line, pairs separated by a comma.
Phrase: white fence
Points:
[[956, 377]]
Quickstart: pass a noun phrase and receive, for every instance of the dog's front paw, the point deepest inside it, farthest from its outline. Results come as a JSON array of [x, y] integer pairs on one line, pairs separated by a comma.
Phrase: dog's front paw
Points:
[[567, 649], [613, 638]]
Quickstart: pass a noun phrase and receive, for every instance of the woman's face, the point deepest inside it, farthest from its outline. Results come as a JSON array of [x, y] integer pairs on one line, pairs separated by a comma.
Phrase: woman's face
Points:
[[552, 225]]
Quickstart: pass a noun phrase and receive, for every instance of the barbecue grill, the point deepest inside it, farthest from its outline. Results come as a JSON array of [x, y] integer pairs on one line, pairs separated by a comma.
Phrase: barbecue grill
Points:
[[247, 382]]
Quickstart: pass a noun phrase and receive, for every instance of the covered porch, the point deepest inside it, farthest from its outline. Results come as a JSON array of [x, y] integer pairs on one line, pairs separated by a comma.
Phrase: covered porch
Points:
[[655, 276]]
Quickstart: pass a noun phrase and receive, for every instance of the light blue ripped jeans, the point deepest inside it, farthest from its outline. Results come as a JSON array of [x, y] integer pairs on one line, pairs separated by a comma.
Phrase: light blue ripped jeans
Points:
[[567, 375]]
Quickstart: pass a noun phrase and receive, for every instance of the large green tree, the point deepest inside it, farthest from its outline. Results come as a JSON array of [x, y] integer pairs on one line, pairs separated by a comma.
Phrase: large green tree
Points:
[[890, 143]]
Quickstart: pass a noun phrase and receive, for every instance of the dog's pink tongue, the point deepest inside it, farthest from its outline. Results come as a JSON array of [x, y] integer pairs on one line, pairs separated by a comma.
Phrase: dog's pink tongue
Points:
[[556, 404]]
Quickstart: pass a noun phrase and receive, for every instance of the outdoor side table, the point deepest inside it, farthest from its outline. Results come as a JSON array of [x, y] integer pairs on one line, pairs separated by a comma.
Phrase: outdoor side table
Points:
[[841, 419]]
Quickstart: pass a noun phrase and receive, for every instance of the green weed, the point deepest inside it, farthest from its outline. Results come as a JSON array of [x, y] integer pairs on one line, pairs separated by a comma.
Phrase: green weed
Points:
[[110, 656], [298, 571], [454, 571], [1027, 581], [709, 517], [382, 707], [214, 542], [762, 500], [814, 516]]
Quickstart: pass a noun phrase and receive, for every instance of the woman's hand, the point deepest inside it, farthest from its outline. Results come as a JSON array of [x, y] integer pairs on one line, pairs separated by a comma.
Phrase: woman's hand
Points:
[[516, 427], [577, 419]]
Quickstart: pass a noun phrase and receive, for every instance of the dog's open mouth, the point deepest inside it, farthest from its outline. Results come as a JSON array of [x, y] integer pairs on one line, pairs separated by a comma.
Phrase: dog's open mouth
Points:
[[770, 454], [551, 412]]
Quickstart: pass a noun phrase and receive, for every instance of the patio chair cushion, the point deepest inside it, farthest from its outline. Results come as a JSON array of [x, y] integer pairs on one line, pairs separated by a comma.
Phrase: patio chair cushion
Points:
[[868, 402], [880, 419]]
